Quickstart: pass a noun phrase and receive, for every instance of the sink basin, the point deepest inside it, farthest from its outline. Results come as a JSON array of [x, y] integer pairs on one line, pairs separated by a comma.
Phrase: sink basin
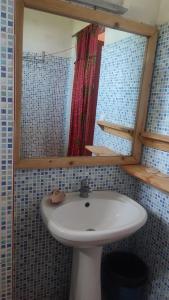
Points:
[[102, 218], [87, 225]]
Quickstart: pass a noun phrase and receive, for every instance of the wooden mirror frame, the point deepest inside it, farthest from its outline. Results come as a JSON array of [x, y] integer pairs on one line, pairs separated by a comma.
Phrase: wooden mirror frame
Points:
[[67, 9]]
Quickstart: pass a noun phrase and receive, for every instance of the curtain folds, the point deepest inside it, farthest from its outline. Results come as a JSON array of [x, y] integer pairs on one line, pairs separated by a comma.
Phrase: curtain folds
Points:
[[85, 90]]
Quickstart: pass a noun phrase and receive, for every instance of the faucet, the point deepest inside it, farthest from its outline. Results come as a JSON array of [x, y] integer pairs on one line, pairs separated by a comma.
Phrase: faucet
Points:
[[84, 188]]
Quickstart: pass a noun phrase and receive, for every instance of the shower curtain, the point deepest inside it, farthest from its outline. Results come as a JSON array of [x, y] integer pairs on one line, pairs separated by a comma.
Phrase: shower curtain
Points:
[[85, 90]]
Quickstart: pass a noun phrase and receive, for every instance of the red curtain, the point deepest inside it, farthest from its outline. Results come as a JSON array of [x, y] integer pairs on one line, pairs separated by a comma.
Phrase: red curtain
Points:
[[85, 90]]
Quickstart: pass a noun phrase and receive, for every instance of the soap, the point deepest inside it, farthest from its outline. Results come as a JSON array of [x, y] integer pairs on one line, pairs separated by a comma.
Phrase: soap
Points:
[[56, 196]]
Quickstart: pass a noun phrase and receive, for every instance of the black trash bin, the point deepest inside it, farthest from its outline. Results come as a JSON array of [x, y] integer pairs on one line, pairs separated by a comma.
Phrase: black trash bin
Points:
[[124, 276]]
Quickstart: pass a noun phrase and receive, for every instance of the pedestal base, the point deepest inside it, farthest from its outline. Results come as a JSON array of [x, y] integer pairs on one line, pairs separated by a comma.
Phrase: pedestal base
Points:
[[85, 280]]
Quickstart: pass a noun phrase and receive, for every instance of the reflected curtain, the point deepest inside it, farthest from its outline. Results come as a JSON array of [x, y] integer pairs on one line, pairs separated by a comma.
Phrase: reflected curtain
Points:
[[85, 90]]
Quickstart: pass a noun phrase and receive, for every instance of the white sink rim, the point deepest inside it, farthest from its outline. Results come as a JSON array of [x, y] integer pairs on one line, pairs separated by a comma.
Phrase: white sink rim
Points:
[[97, 237], [88, 244]]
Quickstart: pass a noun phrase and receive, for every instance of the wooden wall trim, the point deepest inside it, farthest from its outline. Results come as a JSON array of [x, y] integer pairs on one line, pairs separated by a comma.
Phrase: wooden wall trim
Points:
[[154, 140], [69, 162], [76, 11], [117, 130], [68, 9], [149, 176]]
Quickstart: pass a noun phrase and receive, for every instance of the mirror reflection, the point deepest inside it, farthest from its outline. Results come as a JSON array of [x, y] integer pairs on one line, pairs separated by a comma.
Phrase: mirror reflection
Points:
[[80, 88]]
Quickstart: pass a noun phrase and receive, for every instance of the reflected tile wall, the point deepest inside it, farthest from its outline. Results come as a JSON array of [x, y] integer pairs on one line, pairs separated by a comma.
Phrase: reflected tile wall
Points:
[[115, 143], [46, 93], [120, 76], [119, 86]]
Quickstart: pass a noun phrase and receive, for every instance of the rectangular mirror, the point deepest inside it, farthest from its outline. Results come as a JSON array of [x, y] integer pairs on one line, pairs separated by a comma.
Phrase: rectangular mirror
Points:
[[80, 89]]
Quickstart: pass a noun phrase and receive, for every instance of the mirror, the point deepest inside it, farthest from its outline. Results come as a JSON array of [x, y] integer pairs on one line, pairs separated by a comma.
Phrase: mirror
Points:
[[80, 87]]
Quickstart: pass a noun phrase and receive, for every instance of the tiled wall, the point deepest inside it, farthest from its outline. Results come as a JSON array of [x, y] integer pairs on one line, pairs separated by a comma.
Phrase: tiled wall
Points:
[[158, 117], [6, 126], [43, 265], [46, 92], [119, 86], [152, 243]]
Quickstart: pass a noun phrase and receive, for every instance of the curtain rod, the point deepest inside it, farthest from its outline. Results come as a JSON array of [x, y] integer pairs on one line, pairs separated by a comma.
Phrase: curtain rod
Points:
[[44, 53]]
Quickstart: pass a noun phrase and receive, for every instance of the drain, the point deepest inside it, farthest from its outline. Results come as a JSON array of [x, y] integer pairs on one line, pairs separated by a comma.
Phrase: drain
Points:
[[90, 229]]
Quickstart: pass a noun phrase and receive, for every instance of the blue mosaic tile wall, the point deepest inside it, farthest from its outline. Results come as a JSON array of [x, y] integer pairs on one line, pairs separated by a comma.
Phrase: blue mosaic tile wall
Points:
[[156, 159], [152, 243], [6, 131], [158, 117], [117, 144], [43, 265], [119, 86], [46, 262], [46, 91]]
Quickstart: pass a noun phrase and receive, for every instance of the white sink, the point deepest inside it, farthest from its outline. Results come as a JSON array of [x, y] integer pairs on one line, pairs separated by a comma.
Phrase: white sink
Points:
[[87, 225]]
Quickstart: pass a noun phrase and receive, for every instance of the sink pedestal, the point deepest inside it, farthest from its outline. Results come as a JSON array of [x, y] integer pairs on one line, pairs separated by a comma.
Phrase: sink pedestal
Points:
[[105, 217], [85, 280]]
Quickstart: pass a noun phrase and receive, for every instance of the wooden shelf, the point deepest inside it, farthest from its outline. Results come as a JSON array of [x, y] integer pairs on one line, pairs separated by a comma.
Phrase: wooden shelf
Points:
[[150, 176], [155, 140], [118, 130], [101, 151]]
